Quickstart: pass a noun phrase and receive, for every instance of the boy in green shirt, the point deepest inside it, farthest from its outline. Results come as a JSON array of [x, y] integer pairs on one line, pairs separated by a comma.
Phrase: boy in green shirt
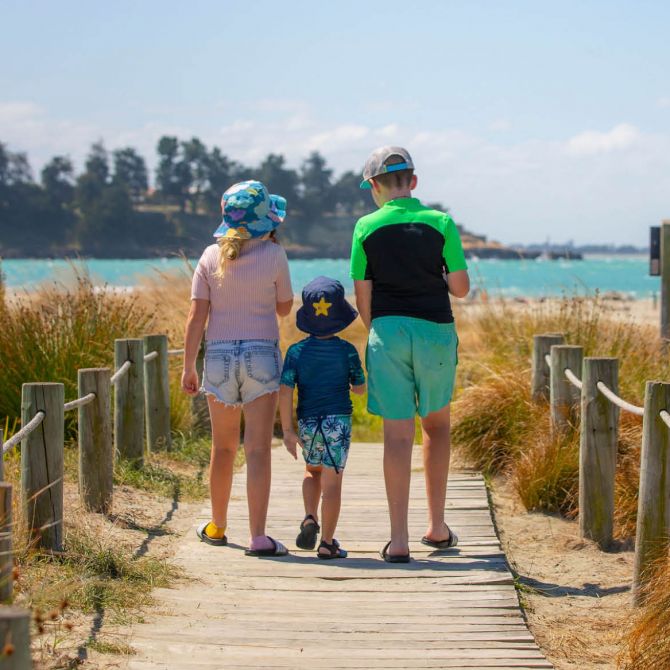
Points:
[[405, 260]]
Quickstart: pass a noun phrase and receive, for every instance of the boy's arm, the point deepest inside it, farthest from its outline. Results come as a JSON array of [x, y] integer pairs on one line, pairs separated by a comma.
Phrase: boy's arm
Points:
[[356, 374], [458, 283], [291, 439], [456, 266], [363, 289]]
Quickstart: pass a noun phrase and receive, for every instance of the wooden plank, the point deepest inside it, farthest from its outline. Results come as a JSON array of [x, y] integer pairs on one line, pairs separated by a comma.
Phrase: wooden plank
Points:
[[453, 609]]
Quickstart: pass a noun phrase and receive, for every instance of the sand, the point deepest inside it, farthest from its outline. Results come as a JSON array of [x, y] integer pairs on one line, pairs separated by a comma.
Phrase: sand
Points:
[[576, 597]]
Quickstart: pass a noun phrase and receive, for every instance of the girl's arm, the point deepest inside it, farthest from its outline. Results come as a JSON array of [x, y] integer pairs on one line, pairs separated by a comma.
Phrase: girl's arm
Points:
[[195, 327], [363, 289], [359, 389], [284, 308], [291, 439]]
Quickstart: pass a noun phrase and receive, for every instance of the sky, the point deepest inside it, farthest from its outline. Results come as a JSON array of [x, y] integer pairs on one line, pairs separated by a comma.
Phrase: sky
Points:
[[530, 120]]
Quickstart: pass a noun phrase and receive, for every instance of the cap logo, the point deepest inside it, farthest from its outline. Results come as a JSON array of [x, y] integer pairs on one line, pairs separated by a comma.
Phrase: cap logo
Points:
[[321, 308]]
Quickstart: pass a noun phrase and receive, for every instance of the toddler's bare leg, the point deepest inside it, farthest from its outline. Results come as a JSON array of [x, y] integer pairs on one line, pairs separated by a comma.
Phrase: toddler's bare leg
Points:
[[311, 490], [332, 501]]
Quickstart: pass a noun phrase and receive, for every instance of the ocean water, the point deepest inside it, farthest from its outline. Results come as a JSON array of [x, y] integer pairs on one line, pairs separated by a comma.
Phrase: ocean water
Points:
[[628, 275]]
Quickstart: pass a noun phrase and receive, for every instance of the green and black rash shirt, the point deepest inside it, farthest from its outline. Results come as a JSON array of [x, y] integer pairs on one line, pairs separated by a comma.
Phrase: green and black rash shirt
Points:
[[407, 250]]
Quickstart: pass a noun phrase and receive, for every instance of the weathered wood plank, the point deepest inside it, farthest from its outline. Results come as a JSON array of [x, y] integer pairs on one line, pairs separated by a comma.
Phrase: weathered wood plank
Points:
[[453, 609]]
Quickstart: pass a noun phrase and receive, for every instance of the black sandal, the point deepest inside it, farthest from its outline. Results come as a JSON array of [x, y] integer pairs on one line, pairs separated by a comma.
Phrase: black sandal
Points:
[[308, 533], [450, 542], [334, 549], [397, 558]]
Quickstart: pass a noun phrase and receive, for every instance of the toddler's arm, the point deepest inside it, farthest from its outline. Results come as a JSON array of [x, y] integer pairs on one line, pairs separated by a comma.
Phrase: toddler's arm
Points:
[[291, 439]]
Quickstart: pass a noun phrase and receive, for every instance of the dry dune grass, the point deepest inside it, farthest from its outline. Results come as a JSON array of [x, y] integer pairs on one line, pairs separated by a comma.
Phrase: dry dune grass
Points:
[[649, 637], [500, 428]]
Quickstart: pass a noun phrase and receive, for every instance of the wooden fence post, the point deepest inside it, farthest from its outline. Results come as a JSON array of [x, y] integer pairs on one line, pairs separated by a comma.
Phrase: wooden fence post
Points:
[[129, 401], [6, 548], [665, 279], [653, 512], [96, 450], [15, 638], [42, 463], [540, 374], [199, 407], [563, 396], [157, 393], [599, 433]]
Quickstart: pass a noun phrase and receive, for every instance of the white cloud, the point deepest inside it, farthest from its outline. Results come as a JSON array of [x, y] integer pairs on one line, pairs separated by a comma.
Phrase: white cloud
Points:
[[513, 191], [500, 125], [664, 102], [594, 142]]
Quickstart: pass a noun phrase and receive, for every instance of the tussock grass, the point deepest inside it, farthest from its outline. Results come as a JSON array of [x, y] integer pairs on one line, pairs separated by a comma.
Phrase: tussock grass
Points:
[[95, 572], [648, 646], [51, 333], [500, 429], [491, 420]]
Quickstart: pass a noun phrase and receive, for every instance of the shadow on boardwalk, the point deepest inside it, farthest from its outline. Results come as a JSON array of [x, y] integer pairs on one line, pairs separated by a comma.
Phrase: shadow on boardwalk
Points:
[[451, 609]]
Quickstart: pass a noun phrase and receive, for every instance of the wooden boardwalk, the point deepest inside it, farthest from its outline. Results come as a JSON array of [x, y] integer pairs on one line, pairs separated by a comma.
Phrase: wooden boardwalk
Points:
[[455, 609]]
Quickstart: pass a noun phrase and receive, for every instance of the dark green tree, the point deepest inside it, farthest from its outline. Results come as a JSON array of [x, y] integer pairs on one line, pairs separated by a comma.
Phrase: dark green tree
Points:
[[58, 181], [196, 158], [318, 195], [279, 179], [173, 175], [130, 171], [350, 198]]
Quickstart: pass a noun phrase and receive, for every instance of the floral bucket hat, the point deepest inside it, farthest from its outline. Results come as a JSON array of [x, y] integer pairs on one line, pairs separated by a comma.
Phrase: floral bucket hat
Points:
[[250, 211]]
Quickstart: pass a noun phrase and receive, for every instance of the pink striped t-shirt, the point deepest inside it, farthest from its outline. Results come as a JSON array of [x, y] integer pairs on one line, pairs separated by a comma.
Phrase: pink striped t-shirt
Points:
[[242, 303]]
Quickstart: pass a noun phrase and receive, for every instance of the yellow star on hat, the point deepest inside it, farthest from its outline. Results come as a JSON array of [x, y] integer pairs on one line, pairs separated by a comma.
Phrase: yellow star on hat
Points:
[[321, 308]]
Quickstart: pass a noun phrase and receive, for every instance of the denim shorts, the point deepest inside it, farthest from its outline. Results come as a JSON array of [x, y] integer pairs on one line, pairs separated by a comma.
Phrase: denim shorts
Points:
[[239, 371]]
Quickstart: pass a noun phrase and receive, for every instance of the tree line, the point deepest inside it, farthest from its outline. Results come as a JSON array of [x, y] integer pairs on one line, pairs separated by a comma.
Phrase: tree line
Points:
[[111, 209]]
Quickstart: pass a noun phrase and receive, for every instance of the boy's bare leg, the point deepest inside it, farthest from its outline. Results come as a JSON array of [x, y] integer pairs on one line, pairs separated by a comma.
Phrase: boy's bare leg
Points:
[[259, 415], [436, 454], [398, 442], [332, 501], [225, 443], [311, 491]]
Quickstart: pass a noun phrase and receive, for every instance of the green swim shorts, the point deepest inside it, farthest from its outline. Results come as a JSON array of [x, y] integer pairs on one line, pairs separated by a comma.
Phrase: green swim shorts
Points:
[[411, 366]]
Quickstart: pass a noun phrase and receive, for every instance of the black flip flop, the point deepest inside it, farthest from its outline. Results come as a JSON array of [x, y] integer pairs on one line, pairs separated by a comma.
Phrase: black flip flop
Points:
[[335, 551], [308, 533], [214, 541], [277, 549], [401, 558], [450, 542]]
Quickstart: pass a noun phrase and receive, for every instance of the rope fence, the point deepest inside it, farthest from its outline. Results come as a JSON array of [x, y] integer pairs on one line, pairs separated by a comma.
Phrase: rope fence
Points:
[[618, 401], [573, 379], [79, 402], [591, 404], [120, 373], [23, 433], [115, 420]]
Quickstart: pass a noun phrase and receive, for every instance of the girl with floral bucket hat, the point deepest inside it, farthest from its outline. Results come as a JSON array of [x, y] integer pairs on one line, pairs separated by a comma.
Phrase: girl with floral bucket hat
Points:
[[239, 287]]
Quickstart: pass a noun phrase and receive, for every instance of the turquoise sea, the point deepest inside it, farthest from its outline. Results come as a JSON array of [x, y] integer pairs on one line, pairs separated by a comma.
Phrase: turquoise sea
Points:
[[628, 275]]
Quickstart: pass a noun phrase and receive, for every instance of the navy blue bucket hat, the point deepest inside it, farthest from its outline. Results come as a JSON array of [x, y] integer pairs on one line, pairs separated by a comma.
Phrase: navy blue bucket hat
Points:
[[324, 311]]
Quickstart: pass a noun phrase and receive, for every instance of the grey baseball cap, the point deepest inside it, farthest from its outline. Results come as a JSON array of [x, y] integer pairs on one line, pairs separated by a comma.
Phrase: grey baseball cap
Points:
[[374, 165]]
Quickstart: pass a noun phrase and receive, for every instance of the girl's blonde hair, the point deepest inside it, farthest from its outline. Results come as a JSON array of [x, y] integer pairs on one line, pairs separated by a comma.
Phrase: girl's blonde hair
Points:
[[229, 249]]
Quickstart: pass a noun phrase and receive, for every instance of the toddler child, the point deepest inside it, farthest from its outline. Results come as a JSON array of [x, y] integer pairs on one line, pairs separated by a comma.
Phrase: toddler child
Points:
[[324, 368]]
